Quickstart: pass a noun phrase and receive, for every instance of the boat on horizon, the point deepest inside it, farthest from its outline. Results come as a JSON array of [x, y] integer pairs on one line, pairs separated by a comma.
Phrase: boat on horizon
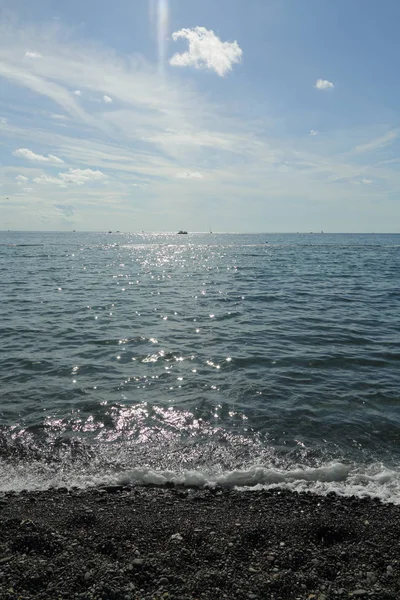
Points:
[[182, 232]]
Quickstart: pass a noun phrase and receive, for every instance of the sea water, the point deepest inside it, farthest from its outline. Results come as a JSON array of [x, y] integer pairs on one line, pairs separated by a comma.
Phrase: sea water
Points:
[[202, 359]]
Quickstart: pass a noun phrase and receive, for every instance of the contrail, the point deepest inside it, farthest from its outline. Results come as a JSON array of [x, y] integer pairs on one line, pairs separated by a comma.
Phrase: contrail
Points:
[[158, 15], [162, 30]]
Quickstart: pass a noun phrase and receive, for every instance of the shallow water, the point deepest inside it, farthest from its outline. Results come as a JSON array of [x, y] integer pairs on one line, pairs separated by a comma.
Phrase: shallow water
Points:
[[201, 358]]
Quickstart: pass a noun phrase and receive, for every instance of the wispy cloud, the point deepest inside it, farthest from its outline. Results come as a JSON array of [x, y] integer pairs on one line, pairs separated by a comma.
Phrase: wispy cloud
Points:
[[379, 142], [46, 179], [324, 84], [58, 117], [33, 54], [29, 155], [82, 176], [66, 209], [107, 99], [313, 132], [21, 179], [206, 51], [163, 138], [362, 182], [189, 175], [73, 176], [77, 92]]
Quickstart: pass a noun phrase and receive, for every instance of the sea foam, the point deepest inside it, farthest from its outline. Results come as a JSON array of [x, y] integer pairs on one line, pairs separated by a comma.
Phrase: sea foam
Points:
[[346, 480]]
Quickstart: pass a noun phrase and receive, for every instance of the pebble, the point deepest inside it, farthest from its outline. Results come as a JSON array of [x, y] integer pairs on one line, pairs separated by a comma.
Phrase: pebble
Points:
[[176, 537], [360, 593], [138, 562], [389, 570]]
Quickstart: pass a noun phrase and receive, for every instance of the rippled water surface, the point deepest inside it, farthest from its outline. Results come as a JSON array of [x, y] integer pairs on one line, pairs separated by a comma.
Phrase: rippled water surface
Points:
[[206, 357]]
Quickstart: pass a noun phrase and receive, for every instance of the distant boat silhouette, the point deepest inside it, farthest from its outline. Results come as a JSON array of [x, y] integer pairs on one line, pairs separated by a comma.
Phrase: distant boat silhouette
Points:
[[181, 232]]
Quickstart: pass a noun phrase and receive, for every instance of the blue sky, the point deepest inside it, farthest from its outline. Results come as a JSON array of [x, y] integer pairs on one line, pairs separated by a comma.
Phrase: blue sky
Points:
[[158, 115]]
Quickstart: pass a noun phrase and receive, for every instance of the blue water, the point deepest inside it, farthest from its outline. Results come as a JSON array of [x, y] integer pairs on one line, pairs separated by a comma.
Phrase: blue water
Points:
[[238, 359]]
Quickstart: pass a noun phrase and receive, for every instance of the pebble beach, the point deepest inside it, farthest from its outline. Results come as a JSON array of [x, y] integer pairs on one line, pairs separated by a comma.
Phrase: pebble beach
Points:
[[120, 543]]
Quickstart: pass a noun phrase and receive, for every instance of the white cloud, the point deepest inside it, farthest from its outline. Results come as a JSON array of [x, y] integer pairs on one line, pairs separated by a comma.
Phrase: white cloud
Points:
[[27, 190], [313, 132], [73, 176], [324, 84], [206, 51], [45, 179], [166, 132], [29, 155], [33, 55], [21, 178], [362, 182], [81, 176], [58, 117], [189, 175], [77, 92], [107, 99], [3, 120]]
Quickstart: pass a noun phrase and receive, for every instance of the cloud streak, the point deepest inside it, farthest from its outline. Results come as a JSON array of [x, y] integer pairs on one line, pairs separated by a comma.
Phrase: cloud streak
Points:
[[73, 176], [165, 146], [379, 142], [33, 55], [189, 175], [30, 155]]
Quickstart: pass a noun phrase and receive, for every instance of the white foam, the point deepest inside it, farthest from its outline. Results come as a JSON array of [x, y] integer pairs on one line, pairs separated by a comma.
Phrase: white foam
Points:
[[255, 476], [346, 480]]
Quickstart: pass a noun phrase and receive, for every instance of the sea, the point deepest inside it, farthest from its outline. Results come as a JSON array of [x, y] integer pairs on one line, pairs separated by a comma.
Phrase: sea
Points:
[[249, 361]]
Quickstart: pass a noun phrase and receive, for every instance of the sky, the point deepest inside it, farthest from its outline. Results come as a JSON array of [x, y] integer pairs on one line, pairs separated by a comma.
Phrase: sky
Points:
[[159, 115]]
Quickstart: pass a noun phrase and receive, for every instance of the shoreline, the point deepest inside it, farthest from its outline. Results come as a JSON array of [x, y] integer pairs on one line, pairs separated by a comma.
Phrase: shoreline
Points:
[[117, 543]]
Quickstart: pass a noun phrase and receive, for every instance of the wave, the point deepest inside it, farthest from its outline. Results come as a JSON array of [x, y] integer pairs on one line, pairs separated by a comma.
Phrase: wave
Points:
[[376, 481]]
